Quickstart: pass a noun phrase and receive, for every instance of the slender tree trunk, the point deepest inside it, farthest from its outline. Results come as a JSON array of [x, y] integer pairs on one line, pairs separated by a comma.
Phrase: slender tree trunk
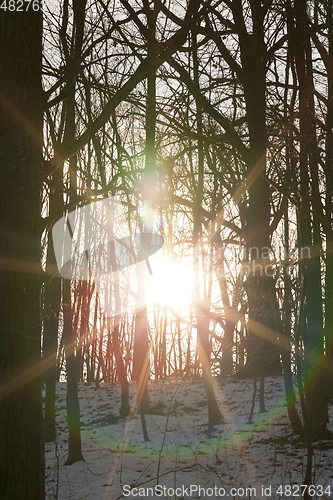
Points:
[[290, 179], [124, 404], [329, 211], [52, 294], [309, 227], [72, 397], [229, 314], [141, 344], [214, 414], [73, 54], [52, 297]]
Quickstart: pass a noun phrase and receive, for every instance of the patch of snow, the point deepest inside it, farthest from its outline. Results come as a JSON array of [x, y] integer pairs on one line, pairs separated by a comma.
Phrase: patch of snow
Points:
[[179, 453]]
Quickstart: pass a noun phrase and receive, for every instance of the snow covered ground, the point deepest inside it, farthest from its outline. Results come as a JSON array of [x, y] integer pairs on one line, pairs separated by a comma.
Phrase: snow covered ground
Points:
[[262, 460]]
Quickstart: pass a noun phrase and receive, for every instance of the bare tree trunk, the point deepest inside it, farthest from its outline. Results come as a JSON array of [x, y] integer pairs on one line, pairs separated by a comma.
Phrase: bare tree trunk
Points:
[[121, 370], [263, 308], [309, 225], [214, 413], [229, 314], [52, 298], [141, 345], [124, 405], [329, 211], [21, 416], [72, 397], [52, 295]]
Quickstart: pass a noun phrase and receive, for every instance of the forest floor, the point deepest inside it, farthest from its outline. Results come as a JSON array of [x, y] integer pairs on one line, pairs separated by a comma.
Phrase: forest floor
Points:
[[181, 461]]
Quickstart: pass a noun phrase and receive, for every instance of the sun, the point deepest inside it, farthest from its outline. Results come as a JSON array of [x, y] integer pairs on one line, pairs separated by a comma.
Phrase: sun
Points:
[[171, 283]]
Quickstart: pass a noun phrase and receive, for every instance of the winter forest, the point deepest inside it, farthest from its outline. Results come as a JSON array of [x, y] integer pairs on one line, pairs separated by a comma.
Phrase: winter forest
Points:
[[166, 177]]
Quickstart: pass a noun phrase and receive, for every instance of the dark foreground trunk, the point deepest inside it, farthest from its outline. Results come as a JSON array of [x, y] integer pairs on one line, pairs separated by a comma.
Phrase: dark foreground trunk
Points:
[[21, 424]]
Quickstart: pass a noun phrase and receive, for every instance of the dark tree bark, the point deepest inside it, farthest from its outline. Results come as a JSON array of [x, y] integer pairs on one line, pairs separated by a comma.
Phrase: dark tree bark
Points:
[[121, 370], [226, 363], [329, 209], [72, 371], [52, 296], [141, 361], [72, 53], [260, 288], [253, 78], [50, 342], [214, 414], [309, 224], [124, 398], [21, 419]]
